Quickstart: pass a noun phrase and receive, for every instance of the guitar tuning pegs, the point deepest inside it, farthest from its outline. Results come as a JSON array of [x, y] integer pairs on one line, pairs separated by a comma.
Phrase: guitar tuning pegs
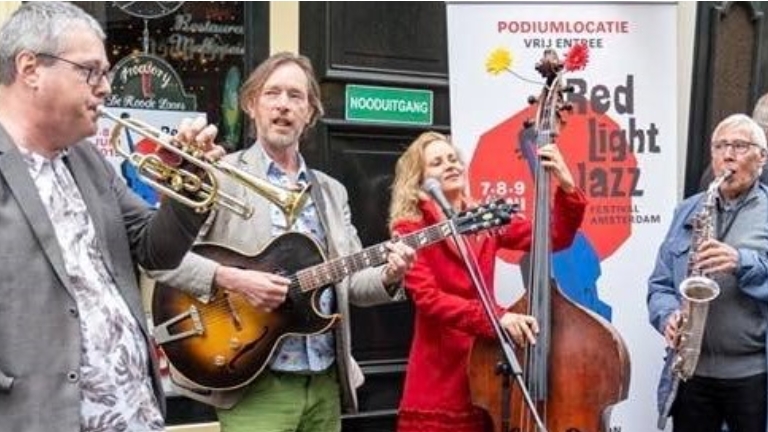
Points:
[[528, 123], [568, 89], [566, 106], [532, 100]]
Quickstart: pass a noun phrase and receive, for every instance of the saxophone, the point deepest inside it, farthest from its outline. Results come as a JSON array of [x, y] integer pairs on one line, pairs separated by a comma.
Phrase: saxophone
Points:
[[697, 289]]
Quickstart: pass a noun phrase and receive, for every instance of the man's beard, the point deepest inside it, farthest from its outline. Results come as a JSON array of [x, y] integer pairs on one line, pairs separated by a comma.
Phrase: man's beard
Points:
[[282, 140]]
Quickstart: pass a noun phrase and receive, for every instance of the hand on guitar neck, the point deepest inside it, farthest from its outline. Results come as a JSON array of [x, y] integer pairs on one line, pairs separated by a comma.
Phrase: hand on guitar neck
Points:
[[399, 260]]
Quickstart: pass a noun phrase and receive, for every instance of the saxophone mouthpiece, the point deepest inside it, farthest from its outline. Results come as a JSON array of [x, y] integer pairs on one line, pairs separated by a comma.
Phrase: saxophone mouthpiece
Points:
[[715, 184]]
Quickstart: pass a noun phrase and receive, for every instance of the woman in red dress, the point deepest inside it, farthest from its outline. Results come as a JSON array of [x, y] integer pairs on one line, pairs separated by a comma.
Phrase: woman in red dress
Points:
[[448, 317]]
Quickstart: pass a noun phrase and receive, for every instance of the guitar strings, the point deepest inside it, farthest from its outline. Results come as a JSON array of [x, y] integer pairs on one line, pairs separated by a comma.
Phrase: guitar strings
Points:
[[319, 276]]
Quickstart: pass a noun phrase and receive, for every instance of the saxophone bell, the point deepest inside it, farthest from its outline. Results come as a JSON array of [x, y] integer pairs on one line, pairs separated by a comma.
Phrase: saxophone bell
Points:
[[699, 289], [697, 292]]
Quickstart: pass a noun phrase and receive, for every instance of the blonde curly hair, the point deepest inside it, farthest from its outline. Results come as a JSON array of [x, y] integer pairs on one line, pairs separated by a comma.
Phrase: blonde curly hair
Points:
[[409, 175]]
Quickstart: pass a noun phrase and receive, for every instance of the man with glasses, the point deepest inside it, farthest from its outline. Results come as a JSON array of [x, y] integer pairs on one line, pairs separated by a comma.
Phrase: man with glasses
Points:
[[73, 337], [760, 115], [728, 385], [93, 74]]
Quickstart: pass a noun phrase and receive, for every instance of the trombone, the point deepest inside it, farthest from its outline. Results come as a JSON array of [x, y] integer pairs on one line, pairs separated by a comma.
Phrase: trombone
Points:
[[200, 192]]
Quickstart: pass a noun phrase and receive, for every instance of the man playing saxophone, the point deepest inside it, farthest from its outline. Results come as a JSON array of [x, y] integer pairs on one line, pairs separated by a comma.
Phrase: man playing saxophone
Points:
[[728, 381]]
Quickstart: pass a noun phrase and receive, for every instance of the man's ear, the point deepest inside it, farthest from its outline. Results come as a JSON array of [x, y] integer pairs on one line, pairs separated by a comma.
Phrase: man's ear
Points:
[[250, 107], [27, 68], [763, 158]]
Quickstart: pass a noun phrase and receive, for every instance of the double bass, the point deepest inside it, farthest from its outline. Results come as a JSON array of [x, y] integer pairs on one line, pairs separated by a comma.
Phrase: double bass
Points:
[[579, 367]]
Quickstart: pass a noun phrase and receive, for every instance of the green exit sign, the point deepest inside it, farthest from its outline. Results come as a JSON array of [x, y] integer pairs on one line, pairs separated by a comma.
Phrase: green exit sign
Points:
[[388, 105]]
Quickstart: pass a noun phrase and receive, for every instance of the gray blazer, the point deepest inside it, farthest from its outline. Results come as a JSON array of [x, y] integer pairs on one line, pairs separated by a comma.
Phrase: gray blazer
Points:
[[39, 320], [195, 274]]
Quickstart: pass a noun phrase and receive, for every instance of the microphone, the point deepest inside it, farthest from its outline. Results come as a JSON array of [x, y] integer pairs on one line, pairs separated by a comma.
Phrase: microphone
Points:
[[432, 186]]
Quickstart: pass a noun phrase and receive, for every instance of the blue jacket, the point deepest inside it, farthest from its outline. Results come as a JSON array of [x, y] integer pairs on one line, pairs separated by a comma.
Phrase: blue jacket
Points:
[[670, 270]]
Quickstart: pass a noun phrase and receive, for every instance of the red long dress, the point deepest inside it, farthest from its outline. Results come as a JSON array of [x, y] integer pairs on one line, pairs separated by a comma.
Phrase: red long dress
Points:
[[448, 316]]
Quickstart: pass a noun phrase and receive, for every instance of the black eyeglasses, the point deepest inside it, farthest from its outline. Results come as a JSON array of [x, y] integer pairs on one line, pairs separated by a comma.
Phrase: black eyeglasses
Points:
[[93, 76], [738, 146]]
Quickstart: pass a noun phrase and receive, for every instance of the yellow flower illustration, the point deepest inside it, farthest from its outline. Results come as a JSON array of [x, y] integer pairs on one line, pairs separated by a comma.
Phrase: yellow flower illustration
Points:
[[499, 60]]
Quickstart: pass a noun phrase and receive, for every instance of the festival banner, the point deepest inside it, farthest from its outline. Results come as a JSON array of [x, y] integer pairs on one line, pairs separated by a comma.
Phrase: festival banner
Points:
[[619, 140]]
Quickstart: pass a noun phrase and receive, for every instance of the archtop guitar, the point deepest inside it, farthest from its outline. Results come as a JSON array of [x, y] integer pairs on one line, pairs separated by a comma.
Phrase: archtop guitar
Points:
[[225, 343]]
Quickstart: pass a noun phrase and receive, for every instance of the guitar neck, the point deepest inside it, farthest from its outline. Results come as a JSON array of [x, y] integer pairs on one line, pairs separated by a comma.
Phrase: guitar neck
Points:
[[337, 269]]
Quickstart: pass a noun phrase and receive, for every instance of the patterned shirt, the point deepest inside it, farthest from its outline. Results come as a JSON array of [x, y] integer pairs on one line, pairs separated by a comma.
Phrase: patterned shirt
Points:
[[116, 391], [302, 354]]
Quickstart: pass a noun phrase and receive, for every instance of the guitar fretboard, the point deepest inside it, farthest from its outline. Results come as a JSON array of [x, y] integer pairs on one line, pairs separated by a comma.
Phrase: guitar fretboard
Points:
[[339, 268]]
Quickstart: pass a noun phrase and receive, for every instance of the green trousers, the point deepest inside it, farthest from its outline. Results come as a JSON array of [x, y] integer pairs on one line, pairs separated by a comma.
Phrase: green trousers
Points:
[[287, 402]]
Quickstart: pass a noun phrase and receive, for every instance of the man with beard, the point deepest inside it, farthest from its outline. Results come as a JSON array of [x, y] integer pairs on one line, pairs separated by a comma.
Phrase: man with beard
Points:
[[309, 379]]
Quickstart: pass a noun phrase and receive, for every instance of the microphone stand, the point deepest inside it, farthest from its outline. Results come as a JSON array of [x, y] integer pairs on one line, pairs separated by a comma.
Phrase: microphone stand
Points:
[[509, 365]]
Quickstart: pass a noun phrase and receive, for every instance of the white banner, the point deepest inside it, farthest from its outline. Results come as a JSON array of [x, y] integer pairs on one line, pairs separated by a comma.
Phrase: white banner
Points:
[[619, 141]]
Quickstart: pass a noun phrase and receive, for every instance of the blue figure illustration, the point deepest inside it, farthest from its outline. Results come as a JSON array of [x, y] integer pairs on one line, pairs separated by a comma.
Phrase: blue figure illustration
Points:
[[577, 268]]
